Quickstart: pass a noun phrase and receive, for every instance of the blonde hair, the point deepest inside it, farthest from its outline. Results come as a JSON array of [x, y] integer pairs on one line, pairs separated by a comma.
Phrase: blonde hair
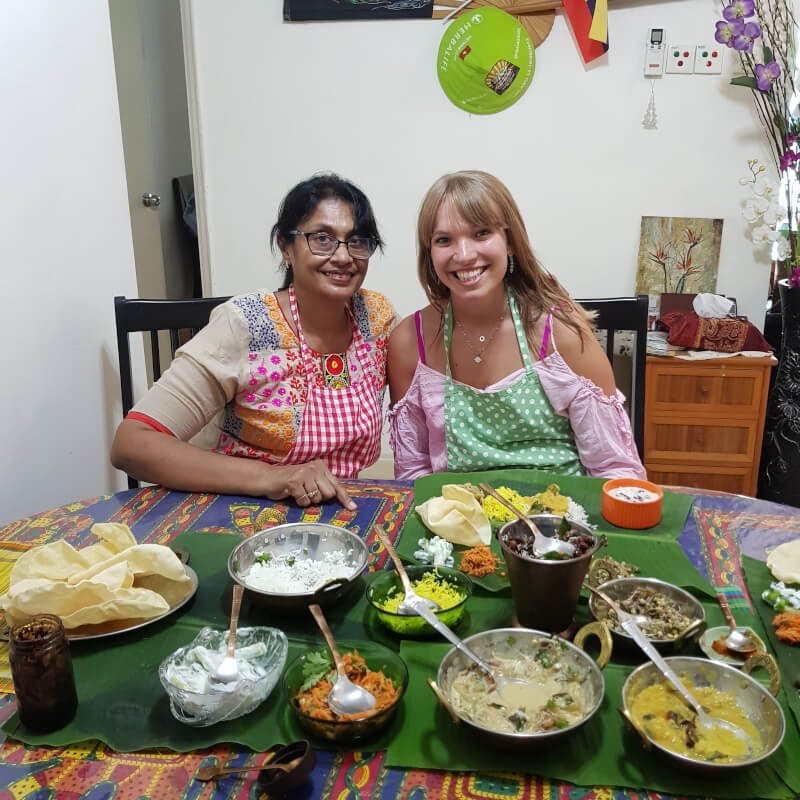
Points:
[[483, 200]]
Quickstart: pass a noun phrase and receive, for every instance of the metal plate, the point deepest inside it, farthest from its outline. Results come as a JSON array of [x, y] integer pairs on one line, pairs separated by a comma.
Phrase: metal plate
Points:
[[117, 626]]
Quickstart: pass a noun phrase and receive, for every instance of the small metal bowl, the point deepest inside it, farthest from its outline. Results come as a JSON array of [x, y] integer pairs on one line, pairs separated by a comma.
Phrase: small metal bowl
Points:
[[377, 658], [305, 541], [621, 588], [388, 582], [761, 708], [454, 661]]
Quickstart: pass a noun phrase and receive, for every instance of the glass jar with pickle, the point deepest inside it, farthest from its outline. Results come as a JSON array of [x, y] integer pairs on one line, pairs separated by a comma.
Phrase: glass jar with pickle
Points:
[[41, 669]]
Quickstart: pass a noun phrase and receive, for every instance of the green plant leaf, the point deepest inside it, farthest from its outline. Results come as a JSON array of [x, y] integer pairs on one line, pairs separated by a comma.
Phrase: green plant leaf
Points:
[[745, 80], [768, 54], [781, 124], [316, 666]]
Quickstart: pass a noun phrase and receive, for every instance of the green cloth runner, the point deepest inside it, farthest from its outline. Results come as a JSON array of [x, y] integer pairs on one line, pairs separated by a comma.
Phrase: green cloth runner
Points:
[[600, 753], [758, 579], [648, 549]]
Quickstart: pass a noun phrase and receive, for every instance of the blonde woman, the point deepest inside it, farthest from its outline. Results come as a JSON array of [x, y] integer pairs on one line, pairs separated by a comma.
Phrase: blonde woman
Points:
[[501, 369]]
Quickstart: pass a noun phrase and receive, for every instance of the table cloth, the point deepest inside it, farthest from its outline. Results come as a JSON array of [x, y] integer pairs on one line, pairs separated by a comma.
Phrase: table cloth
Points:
[[717, 527]]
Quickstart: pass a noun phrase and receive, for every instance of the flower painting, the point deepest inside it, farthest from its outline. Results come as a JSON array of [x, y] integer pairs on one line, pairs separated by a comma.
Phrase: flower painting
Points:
[[678, 255]]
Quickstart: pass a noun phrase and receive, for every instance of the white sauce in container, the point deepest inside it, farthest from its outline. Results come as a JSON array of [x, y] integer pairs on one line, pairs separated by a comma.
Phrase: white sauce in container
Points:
[[632, 494]]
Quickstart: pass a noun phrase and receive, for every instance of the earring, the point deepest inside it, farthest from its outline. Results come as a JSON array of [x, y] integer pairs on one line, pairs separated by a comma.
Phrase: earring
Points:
[[284, 266], [511, 264]]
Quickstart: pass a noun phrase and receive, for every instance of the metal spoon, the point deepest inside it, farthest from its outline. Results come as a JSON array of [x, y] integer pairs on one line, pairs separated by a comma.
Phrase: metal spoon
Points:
[[704, 719], [542, 545], [345, 697], [736, 640], [419, 607], [411, 602], [210, 773], [225, 677]]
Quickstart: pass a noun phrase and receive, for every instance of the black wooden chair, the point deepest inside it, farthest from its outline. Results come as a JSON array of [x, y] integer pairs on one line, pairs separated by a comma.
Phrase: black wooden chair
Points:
[[615, 314], [181, 318]]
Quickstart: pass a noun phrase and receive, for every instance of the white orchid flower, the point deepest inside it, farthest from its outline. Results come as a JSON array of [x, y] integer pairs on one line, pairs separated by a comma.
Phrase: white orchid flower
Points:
[[772, 214], [782, 249], [750, 212], [765, 190], [761, 234]]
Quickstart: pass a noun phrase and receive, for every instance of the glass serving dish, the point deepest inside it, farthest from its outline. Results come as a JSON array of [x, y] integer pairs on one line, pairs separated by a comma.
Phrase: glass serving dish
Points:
[[387, 583], [200, 707], [377, 658]]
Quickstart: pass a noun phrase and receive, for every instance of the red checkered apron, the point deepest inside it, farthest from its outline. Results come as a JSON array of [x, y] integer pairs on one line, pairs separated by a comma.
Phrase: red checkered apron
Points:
[[341, 426]]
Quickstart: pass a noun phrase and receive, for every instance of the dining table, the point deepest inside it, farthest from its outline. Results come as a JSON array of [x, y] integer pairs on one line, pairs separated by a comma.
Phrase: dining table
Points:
[[132, 750]]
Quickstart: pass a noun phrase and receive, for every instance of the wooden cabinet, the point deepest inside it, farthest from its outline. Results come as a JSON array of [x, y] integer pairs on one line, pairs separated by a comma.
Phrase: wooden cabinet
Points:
[[704, 421]]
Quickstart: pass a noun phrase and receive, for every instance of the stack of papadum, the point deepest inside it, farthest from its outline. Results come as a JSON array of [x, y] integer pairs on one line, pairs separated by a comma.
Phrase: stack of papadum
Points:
[[115, 579]]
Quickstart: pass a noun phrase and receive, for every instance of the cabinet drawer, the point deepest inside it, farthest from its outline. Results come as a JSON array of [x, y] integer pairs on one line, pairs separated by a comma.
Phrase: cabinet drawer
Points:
[[693, 388], [722, 479], [688, 440]]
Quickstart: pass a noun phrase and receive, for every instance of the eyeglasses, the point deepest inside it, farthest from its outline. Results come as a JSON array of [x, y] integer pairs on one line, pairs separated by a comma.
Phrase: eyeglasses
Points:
[[323, 244]]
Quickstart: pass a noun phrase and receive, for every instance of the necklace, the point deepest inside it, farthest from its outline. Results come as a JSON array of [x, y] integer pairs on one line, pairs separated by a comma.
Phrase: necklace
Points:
[[485, 341]]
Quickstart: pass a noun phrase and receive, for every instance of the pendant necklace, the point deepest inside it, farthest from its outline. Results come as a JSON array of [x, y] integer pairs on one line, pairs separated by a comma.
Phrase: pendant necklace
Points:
[[484, 341]]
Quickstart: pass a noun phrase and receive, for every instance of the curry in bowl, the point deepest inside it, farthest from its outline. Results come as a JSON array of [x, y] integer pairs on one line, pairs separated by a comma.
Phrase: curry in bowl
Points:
[[563, 686]]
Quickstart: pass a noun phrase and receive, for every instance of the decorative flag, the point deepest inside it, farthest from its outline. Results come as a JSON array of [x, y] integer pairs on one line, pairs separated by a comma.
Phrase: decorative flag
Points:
[[589, 19]]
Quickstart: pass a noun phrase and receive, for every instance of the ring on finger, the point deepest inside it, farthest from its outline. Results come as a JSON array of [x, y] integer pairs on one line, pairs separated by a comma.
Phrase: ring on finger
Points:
[[303, 496], [314, 491]]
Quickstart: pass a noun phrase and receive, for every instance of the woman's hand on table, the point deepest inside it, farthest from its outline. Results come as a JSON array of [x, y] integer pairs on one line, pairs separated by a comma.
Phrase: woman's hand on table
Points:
[[309, 484]]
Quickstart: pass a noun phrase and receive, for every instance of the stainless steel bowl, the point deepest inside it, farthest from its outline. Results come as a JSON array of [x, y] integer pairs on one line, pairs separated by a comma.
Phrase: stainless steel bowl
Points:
[[455, 660], [306, 541], [690, 606], [760, 706]]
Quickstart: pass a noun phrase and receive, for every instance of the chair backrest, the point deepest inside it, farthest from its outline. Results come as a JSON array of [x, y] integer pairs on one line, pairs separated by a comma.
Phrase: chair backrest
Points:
[[626, 314], [152, 316]]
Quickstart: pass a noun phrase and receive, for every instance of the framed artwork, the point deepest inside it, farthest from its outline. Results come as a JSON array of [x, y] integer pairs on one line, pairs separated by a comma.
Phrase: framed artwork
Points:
[[298, 10], [678, 255]]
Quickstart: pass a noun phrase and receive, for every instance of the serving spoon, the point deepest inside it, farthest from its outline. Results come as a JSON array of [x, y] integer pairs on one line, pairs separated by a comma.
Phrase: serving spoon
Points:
[[736, 640], [419, 607], [211, 772], [226, 675], [409, 605], [345, 697], [704, 719], [542, 545]]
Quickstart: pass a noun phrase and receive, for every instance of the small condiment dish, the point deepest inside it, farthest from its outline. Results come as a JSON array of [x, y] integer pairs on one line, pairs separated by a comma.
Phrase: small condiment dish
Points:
[[629, 514]]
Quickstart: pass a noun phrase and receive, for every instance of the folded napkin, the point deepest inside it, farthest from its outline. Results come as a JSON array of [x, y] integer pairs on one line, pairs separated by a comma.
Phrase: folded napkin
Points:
[[456, 516], [111, 580]]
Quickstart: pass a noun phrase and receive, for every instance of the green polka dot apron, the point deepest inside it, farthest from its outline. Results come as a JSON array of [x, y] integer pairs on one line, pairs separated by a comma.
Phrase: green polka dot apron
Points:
[[512, 427]]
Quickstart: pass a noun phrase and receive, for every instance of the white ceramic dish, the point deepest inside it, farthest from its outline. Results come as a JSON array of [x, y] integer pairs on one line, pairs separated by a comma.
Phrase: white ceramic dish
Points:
[[711, 635]]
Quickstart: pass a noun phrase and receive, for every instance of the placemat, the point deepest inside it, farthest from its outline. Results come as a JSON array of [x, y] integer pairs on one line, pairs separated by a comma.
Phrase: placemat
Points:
[[650, 546], [600, 753], [758, 579], [9, 553]]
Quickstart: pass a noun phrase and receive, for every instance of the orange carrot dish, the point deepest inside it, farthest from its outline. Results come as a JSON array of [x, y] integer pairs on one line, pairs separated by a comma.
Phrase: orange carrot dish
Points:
[[478, 561], [314, 700]]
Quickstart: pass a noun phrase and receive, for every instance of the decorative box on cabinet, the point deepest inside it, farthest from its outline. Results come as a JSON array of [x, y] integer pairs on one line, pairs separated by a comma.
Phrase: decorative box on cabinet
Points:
[[704, 421]]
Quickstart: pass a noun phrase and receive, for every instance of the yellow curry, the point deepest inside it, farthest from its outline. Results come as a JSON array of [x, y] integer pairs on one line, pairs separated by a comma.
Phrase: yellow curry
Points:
[[664, 716]]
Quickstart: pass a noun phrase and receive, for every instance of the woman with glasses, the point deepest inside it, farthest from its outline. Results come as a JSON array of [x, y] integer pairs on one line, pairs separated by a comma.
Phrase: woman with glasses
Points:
[[502, 368], [298, 374]]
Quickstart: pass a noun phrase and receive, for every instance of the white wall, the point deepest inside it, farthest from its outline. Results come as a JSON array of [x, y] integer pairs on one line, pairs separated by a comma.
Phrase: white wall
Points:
[[66, 251], [276, 104]]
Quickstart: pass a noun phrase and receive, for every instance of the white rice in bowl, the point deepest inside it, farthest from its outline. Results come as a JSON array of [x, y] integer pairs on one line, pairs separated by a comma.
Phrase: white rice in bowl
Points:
[[293, 574]]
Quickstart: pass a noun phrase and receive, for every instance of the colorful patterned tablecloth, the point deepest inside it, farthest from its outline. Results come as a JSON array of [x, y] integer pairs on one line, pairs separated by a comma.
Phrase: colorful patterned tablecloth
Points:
[[718, 528]]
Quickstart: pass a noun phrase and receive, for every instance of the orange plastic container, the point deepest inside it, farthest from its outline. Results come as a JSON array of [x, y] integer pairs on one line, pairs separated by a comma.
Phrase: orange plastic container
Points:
[[625, 514]]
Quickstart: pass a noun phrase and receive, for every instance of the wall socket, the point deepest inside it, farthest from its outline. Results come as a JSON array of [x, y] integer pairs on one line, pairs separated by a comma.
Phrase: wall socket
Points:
[[680, 59], [708, 59]]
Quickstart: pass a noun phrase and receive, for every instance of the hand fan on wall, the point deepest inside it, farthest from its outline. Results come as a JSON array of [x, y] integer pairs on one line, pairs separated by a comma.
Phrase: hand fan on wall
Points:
[[485, 61]]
